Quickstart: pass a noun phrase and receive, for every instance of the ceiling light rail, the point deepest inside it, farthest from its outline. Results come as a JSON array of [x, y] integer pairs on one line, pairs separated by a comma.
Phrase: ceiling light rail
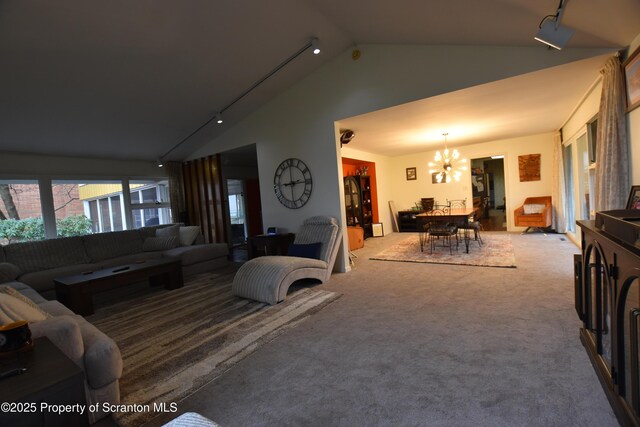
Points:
[[313, 43]]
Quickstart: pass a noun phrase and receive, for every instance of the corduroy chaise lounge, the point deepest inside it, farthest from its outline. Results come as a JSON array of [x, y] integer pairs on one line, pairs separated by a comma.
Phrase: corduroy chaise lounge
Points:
[[267, 279]]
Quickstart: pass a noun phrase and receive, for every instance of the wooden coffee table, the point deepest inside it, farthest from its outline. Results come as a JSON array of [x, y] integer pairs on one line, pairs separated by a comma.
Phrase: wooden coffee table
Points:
[[76, 292]]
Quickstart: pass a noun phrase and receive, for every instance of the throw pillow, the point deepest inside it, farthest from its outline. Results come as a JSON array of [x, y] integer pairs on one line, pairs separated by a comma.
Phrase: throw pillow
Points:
[[8, 272], [309, 250], [188, 235], [170, 231], [152, 244], [13, 309], [533, 209]]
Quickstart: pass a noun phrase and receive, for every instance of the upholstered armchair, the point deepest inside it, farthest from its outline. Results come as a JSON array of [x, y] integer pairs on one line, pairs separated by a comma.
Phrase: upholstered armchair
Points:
[[535, 213]]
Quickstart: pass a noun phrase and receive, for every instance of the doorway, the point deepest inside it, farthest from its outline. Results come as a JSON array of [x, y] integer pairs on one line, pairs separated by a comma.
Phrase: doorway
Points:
[[488, 190]]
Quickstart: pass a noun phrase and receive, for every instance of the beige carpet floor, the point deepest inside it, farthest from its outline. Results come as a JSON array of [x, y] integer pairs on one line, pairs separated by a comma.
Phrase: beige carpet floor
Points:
[[412, 344]]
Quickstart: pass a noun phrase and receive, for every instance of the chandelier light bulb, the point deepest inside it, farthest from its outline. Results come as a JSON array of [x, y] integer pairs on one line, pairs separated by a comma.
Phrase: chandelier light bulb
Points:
[[438, 156]]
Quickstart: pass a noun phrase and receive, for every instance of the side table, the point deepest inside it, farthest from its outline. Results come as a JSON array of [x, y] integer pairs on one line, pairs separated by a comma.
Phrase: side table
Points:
[[51, 379], [269, 244]]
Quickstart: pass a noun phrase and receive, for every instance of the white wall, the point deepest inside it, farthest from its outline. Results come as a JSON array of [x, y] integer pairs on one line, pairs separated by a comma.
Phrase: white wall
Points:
[[406, 193], [300, 122]]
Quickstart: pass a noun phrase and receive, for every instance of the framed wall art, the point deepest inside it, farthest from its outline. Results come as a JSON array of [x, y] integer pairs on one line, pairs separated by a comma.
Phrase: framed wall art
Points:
[[411, 174], [632, 79], [634, 198], [529, 167]]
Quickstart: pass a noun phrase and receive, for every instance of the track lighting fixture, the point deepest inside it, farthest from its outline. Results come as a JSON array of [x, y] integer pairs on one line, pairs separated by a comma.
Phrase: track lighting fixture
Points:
[[551, 32], [160, 164], [315, 46]]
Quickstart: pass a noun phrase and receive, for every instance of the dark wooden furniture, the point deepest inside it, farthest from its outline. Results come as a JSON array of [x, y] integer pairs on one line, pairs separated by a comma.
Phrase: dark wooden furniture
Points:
[[452, 216], [76, 292], [269, 244], [407, 221], [607, 300], [357, 197], [50, 378]]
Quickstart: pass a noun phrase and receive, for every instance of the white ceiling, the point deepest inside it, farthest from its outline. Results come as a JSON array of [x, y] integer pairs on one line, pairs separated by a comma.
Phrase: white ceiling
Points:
[[131, 79], [529, 104]]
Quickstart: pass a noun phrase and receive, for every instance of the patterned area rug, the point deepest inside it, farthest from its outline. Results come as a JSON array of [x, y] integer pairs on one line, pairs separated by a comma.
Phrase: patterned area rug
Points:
[[174, 342], [497, 251]]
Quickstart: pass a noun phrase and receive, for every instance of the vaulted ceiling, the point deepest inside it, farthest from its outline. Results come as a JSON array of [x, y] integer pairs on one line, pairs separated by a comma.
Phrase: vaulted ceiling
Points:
[[131, 79]]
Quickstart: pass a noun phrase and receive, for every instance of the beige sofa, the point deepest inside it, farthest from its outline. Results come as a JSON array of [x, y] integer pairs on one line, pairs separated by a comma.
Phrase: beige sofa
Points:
[[30, 268]]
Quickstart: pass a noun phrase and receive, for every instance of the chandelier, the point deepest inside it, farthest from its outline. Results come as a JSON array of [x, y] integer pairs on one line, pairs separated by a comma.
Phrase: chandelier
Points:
[[448, 164]]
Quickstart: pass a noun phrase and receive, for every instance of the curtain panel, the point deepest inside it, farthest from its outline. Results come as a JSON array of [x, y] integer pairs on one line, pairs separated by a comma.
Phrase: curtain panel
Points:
[[612, 180], [558, 191], [176, 191]]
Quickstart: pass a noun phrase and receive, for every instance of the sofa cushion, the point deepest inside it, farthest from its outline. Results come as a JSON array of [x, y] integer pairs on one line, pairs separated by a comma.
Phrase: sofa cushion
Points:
[[110, 245], [159, 243], [56, 308], [42, 281], [45, 254], [128, 259], [532, 209], [8, 272], [188, 235], [193, 254], [13, 309], [171, 231]]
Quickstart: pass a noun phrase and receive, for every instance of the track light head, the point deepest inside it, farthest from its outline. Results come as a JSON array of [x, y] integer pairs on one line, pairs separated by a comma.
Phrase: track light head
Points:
[[315, 46], [160, 163], [553, 34], [218, 118]]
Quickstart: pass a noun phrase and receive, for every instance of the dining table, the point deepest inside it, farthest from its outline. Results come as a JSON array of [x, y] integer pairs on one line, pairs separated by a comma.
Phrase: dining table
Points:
[[453, 216]]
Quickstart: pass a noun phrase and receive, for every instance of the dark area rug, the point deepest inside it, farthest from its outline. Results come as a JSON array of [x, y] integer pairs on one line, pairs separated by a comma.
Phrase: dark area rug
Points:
[[174, 342], [496, 251]]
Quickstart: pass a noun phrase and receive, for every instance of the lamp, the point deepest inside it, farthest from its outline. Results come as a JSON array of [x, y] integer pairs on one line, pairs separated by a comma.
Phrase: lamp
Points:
[[219, 118], [160, 164], [551, 32], [448, 164]]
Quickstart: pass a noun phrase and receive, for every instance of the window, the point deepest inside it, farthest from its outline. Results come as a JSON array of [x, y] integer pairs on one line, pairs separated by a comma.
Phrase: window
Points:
[[20, 212], [150, 203]]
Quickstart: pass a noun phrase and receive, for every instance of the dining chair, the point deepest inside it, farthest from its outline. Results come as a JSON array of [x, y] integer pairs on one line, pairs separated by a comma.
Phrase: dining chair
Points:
[[438, 226], [471, 223]]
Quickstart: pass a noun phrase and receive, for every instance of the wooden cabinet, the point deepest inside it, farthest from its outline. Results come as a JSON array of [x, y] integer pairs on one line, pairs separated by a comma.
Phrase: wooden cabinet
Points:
[[357, 198], [607, 294]]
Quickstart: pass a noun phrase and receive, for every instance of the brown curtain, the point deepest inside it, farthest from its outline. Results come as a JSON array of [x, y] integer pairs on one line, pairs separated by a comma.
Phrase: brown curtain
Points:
[[176, 191], [611, 186], [204, 197]]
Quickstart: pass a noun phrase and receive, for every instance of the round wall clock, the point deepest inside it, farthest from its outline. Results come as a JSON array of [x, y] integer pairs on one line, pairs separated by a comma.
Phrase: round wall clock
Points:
[[292, 183]]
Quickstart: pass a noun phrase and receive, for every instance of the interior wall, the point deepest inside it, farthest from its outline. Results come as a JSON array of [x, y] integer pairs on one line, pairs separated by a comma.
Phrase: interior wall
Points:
[[300, 122], [352, 167], [407, 193]]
